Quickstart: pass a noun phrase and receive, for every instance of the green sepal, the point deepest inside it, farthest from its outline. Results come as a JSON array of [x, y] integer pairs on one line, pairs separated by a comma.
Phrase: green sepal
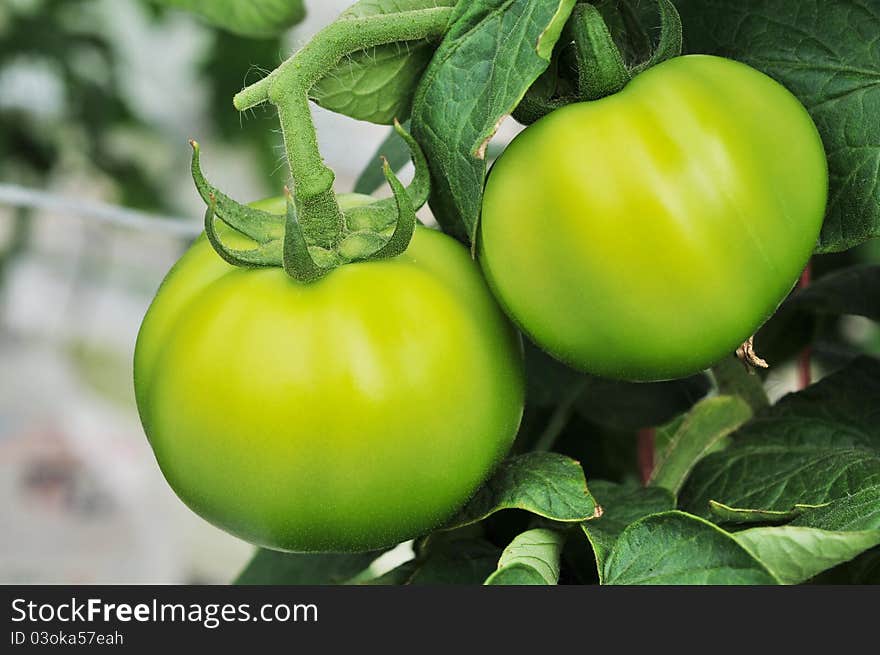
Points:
[[259, 225], [358, 246], [419, 189], [671, 37], [265, 254], [379, 230], [380, 215], [406, 218], [373, 243]]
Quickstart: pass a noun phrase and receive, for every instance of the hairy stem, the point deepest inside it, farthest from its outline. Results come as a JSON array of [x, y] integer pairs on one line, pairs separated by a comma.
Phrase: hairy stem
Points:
[[288, 87], [732, 378], [601, 69]]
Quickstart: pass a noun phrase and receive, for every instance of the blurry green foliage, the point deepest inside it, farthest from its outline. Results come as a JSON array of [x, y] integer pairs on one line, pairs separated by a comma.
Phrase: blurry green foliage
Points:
[[45, 35]]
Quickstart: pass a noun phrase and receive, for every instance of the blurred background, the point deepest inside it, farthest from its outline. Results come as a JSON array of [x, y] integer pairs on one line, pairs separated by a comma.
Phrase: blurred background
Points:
[[97, 101]]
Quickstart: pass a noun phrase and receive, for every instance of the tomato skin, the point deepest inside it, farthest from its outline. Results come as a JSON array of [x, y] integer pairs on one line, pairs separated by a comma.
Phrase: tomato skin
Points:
[[350, 414], [646, 235]]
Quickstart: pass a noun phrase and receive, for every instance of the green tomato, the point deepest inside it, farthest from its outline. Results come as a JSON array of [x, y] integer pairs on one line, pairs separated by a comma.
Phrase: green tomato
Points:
[[645, 235], [350, 414]]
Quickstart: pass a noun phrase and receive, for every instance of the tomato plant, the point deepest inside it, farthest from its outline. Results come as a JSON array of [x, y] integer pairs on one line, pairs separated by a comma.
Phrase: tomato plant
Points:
[[321, 373], [639, 213]]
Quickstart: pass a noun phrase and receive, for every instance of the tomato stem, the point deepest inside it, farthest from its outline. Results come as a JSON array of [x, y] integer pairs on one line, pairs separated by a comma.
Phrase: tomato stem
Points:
[[318, 215], [601, 69], [288, 86]]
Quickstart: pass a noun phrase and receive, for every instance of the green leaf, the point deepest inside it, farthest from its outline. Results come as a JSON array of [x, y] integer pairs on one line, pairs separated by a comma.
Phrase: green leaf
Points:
[[378, 84], [457, 561], [854, 290], [860, 511], [737, 515], [492, 53], [546, 484], [399, 575], [254, 18], [811, 448], [796, 554], [270, 567], [704, 426], [622, 505], [732, 378], [675, 548], [825, 52], [532, 558], [863, 570]]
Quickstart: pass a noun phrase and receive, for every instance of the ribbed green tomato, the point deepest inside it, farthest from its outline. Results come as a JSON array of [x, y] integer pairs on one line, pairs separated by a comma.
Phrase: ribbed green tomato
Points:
[[645, 235], [350, 414]]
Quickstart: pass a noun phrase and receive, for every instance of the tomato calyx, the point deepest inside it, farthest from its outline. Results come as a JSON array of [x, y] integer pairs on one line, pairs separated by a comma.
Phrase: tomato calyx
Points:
[[599, 68], [377, 230]]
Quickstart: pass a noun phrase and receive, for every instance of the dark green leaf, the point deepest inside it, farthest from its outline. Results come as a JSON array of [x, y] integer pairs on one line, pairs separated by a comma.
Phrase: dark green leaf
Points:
[[270, 567], [811, 448], [796, 554], [863, 570], [704, 426], [621, 506], [785, 335], [547, 379], [399, 575], [736, 515], [256, 18], [532, 558], [492, 53], [860, 511], [604, 453], [612, 403], [675, 548], [457, 561], [546, 484], [634, 405], [825, 51], [853, 290]]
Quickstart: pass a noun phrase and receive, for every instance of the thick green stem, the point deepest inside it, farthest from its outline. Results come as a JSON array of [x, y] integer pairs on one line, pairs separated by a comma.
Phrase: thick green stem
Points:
[[733, 378], [288, 86], [340, 39]]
